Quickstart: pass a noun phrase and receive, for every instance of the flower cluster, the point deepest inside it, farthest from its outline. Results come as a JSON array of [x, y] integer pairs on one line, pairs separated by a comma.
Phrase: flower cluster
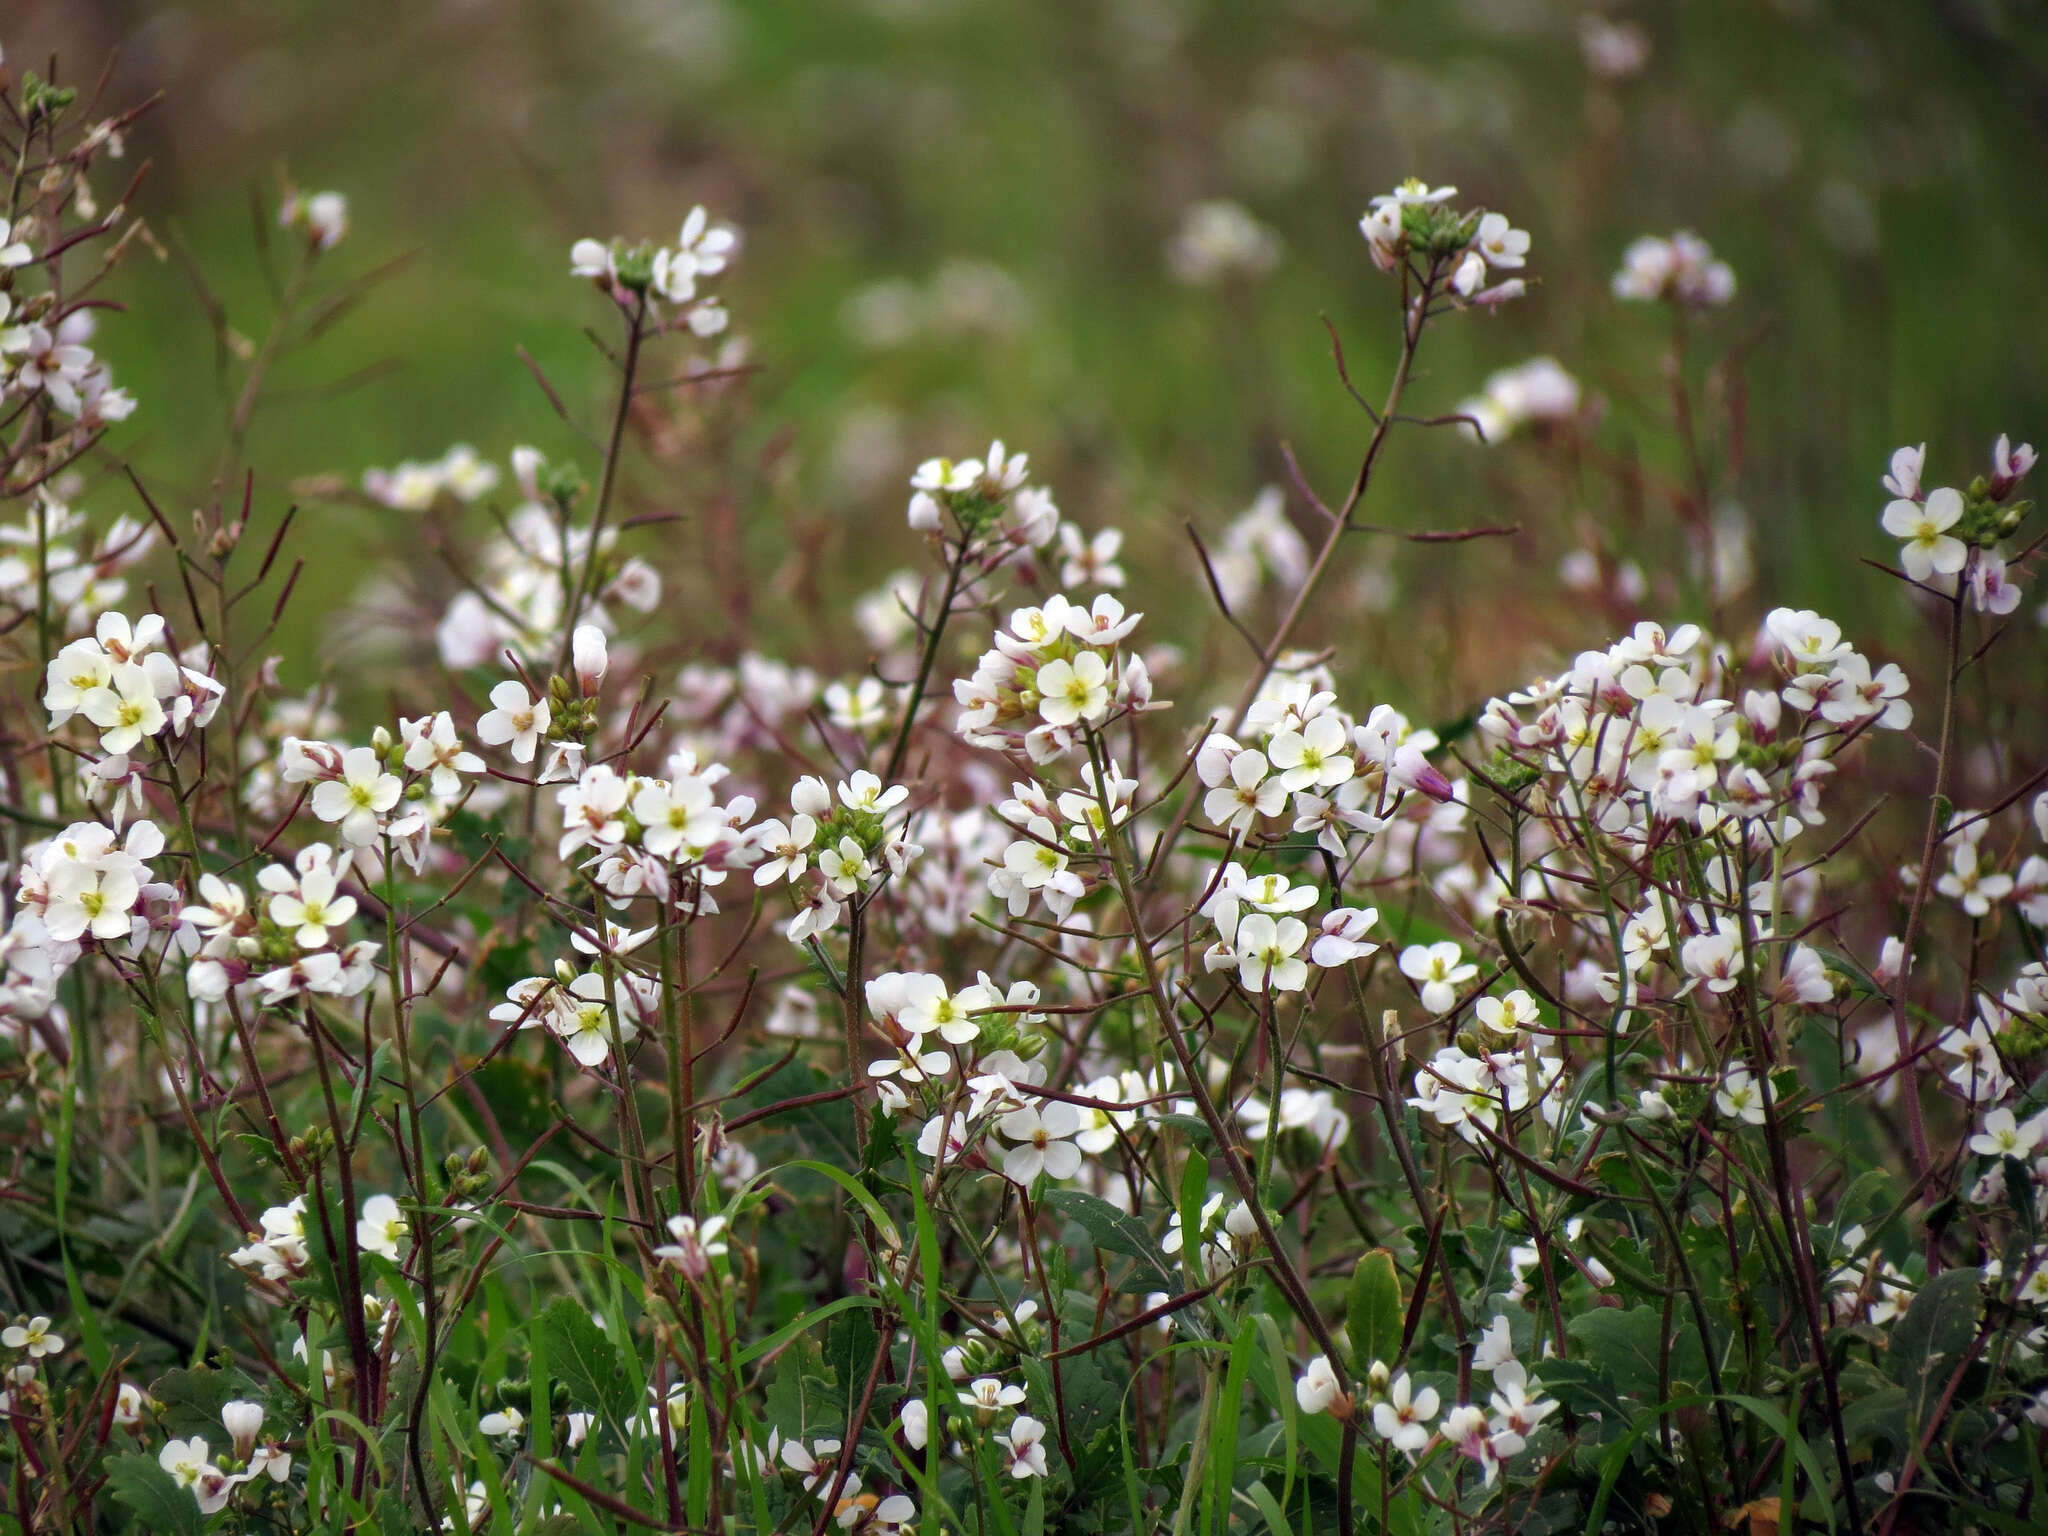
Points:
[[1057, 672], [1467, 247], [846, 845], [1217, 240], [1024, 1109], [1537, 393], [125, 688], [290, 942], [413, 486], [671, 274], [1953, 536], [1310, 764], [1681, 270]]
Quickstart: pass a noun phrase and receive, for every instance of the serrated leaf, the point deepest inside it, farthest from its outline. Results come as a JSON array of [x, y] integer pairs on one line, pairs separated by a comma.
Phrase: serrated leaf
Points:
[[1115, 1232], [161, 1506], [1932, 1336], [850, 1350], [1374, 1312], [1626, 1348], [1881, 1416], [1195, 1126], [584, 1360], [192, 1400]]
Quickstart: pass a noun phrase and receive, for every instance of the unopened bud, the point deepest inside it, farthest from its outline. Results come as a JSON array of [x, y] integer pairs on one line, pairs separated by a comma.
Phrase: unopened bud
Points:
[[590, 658]]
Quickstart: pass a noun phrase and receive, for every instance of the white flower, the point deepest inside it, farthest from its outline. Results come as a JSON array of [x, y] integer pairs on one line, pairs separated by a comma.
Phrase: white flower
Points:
[[2009, 465], [191, 1467], [1715, 958], [1515, 1413], [125, 708], [1073, 690], [916, 1419], [592, 259], [1218, 238], [313, 908], [35, 1337], [1903, 480], [75, 671], [1496, 1346], [1500, 243], [517, 719], [380, 1227], [1740, 1096], [1402, 1419], [1440, 970], [864, 792], [862, 707], [986, 1395], [1044, 1146], [944, 1138], [128, 1405], [1808, 639], [1507, 1015], [1024, 1447], [1090, 562], [89, 897], [1414, 192], [583, 1021], [432, 747], [1317, 756], [503, 1424], [846, 868], [1976, 889], [322, 218], [1317, 1386], [928, 1008], [785, 850], [1681, 269], [813, 1463], [676, 819], [1342, 938], [359, 798], [1267, 955], [1246, 795], [2005, 1136], [1924, 526], [14, 251], [695, 1244]]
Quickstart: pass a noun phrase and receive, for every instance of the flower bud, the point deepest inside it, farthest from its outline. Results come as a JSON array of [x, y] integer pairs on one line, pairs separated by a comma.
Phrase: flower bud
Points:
[[589, 658], [244, 1422]]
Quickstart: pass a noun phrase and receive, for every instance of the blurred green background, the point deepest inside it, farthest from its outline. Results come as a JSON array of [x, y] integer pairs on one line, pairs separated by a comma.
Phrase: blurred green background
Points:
[[1011, 171]]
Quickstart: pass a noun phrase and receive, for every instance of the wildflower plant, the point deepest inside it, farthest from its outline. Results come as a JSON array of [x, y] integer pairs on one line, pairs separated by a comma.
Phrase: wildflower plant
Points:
[[587, 1083]]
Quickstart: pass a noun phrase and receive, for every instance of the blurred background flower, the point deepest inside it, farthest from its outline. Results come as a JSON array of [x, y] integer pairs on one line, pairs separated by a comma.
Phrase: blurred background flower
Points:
[[1107, 233]]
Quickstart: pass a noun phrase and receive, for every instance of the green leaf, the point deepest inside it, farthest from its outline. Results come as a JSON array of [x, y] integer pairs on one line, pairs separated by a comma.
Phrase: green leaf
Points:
[[192, 1400], [850, 1350], [1194, 1193], [1625, 1347], [1374, 1312], [1195, 1126], [1113, 1231], [1881, 1416], [161, 1506], [584, 1360], [1933, 1334]]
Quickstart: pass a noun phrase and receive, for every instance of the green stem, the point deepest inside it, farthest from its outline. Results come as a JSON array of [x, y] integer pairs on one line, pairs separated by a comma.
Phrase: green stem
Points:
[[933, 632]]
